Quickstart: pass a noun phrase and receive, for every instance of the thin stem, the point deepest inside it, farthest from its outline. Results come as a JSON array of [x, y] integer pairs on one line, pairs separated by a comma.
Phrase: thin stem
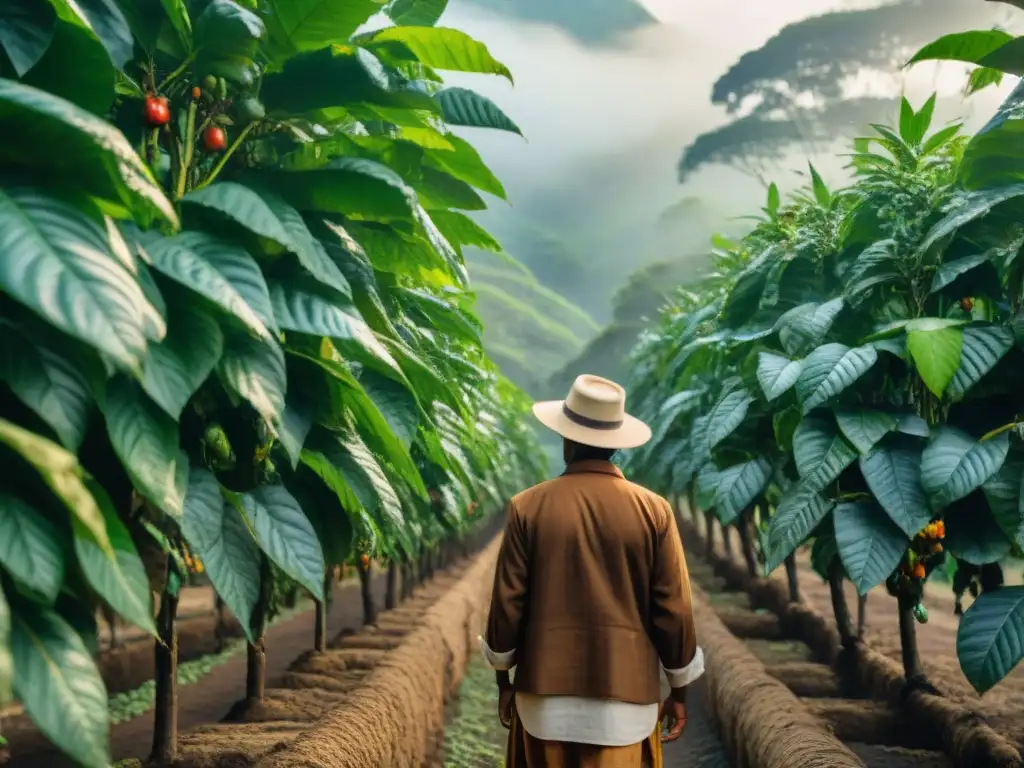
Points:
[[839, 605], [226, 156], [177, 72], [165, 723], [186, 160]]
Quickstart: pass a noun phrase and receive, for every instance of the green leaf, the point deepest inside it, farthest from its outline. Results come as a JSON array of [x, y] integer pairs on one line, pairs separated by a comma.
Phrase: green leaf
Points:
[[953, 464], [738, 486], [949, 271], [26, 30], [806, 325], [774, 200], [990, 638], [969, 47], [48, 383], [983, 346], [284, 533], [120, 580], [440, 48], [254, 369], [829, 370], [464, 162], [797, 515], [460, 230], [62, 474], [973, 207], [177, 367], [294, 428], [145, 439], [30, 550], [307, 25], [777, 374], [707, 486], [726, 415], [93, 152], [973, 534], [56, 679], [216, 532], [60, 266], [864, 427], [912, 424], [242, 205], [461, 106], [894, 477], [821, 193], [824, 551], [105, 20], [1003, 494], [820, 452], [870, 545], [328, 470], [370, 483], [226, 39], [396, 404], [217, 270], [935, 350], [416, 13]]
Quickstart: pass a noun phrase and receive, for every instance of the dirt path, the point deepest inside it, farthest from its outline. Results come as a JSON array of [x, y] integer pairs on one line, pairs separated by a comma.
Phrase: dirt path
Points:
[[208, 700]]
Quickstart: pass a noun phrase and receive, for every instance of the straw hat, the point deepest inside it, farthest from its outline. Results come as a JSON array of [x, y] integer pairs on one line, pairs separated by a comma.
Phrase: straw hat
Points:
[[594, 414]]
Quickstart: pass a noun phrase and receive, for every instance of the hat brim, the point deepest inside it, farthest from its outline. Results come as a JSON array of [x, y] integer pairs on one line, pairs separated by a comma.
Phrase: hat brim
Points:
[[632, 434]]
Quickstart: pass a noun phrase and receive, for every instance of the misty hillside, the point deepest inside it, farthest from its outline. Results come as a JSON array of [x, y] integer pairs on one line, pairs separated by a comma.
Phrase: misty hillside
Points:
[[593, 22]]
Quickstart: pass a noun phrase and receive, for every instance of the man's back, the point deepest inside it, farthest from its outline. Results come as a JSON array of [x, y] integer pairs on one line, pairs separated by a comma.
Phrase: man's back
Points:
[[593, 567]]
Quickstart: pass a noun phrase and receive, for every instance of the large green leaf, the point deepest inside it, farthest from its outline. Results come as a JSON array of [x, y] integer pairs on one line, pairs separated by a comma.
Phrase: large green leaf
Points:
[[254, 369], [894, 477], [219, 271], [948, 272], [92, 152], [983, 346], [726, 415], [216, 532], [120, 580], [368, 480], [954, 464], [935, 346], [145, 439], [1003, 494], [738, 486], [308, 25], [869, 544], [969, 47], [30, 549], [395, 402], [62, 473], [58, 263], [48, 383], [226, 37], [990, 638], [461, 106], [105, 19], [57, 680], [974, 206], [463, 162], [242, 205], [973, 534], [829, 370], [821, 453], [440, 48], [294, 427], [177, 366], [808, 324], [798, 514], [864, 427], [416, 13], [777, 374], [285, 534], [26, 30]]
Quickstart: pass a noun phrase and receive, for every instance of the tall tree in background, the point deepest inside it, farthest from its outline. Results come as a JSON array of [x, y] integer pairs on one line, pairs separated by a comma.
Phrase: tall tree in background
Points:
[[795, 89]]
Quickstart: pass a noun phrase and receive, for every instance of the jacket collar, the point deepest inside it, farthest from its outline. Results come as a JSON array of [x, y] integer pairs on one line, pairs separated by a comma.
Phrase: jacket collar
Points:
[[593, 466]]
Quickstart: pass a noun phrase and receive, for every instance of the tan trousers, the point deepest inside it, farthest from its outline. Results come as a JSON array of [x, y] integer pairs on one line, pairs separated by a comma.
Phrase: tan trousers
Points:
[[525, 751]]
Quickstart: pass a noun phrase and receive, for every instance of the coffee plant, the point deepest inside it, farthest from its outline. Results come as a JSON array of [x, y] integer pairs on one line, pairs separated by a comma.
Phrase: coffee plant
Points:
[[237, 325], [848, 375]]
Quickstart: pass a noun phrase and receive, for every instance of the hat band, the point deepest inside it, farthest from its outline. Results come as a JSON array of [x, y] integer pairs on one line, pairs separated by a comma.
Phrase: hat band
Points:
[[585, 421]]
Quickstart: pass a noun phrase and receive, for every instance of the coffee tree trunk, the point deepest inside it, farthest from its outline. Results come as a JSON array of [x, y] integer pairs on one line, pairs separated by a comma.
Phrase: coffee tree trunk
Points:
[[365, 588], [839, 605], [792, 578], [320, 616], [220, 623], [912, 668], [406, 574], [256, 652], [747, 543], [727, 540], [709, 528], [862, 610], [391, 595], [165, 712]]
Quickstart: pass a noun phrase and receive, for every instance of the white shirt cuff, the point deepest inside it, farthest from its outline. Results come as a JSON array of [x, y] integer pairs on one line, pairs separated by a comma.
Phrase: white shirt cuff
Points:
[[680, 678], [500, 662]]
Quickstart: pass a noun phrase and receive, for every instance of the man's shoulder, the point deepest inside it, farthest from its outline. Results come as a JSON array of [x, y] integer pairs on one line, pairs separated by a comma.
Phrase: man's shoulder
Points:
[[537, 492], [534, 492]]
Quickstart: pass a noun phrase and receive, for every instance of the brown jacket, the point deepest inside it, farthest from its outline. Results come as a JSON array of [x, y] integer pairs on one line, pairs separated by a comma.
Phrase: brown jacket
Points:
[[591, 588]]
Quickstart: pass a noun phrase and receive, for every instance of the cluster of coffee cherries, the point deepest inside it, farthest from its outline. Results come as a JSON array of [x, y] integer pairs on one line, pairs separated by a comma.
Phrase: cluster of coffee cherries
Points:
[[924, 553]]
